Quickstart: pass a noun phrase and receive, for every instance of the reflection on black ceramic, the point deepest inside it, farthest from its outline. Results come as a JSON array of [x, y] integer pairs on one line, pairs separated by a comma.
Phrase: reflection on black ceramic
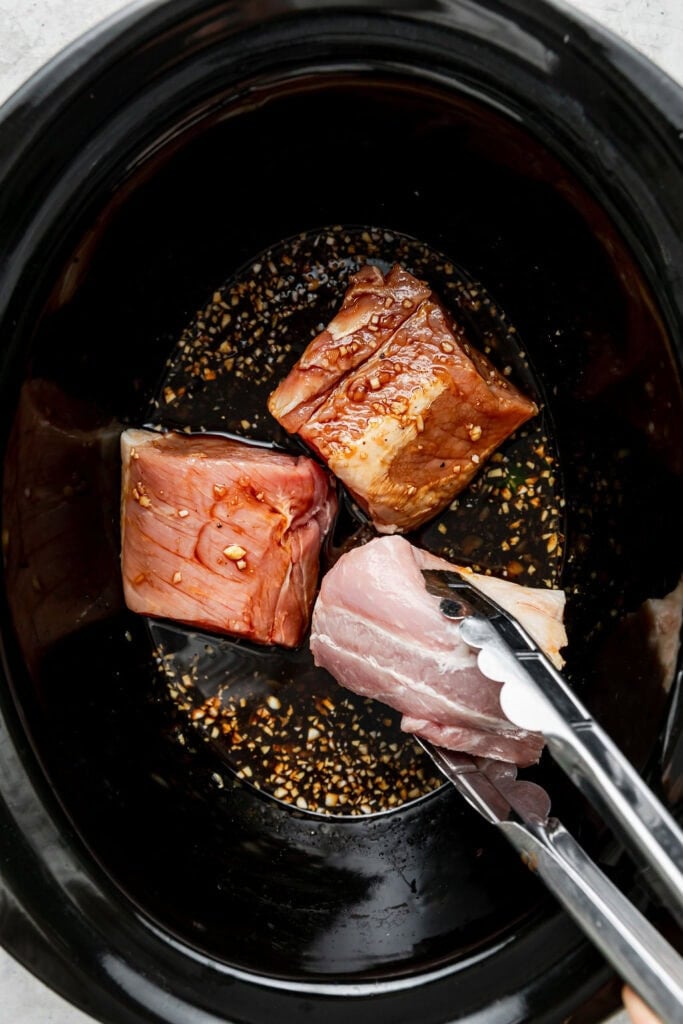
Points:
[[206, 147]]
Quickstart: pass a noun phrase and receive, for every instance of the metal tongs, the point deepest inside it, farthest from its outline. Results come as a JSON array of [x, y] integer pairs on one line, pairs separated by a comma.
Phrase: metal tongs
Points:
[[535, 697]]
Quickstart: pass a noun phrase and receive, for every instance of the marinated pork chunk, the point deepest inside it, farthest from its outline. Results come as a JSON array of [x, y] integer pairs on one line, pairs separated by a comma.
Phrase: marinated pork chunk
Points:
[[397, 402], [379, 633], [222, 535], [373, 308]]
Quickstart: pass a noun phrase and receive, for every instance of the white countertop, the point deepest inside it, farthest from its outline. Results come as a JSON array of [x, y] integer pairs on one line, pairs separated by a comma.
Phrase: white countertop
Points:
[[32, 31]]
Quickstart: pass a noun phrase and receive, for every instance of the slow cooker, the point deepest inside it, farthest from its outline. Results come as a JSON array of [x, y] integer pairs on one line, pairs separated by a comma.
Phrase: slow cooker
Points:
[[142, 174]]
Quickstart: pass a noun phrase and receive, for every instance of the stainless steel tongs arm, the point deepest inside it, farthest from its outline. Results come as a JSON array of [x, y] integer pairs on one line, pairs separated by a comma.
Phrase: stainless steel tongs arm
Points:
[[535, 696], [628, 941], [626, 938]]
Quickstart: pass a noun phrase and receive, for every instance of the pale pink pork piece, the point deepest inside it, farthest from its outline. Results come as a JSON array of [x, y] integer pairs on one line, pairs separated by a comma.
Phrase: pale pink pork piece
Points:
[[379, 633], [397, 402], [222, 535]]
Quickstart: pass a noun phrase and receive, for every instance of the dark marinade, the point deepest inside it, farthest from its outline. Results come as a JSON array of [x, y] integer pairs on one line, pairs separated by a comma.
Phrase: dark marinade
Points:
[[279, 723]]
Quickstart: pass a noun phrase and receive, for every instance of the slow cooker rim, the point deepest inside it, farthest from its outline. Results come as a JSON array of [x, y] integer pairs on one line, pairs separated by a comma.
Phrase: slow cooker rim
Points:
[[143, 19]]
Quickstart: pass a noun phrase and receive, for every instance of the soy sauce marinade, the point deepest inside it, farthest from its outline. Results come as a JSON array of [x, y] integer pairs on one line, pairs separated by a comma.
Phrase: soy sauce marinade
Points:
[[276, 721]]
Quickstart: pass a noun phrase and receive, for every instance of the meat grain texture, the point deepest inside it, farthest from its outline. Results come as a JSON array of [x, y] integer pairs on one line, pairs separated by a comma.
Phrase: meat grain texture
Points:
[[379, 632], [396, 401], [222, 535]]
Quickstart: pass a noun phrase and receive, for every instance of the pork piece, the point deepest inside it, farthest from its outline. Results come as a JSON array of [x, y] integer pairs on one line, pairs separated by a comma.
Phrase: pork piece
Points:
[[406, 422], [379, 633], [373, 307], [642, 651], [222, 535]]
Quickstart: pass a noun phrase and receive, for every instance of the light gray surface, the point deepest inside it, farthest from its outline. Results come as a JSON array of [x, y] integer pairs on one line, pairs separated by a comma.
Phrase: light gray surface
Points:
[[33, 31]]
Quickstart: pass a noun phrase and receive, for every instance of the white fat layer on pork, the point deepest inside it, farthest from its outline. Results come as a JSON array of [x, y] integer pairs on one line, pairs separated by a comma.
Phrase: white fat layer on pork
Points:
[[386, 667], [361, 463], [539, 610]]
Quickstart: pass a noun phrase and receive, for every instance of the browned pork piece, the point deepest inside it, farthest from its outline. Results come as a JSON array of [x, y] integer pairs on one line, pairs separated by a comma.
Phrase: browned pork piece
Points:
[[397, 402], [222, 535], [379, 632], [373, 308]]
